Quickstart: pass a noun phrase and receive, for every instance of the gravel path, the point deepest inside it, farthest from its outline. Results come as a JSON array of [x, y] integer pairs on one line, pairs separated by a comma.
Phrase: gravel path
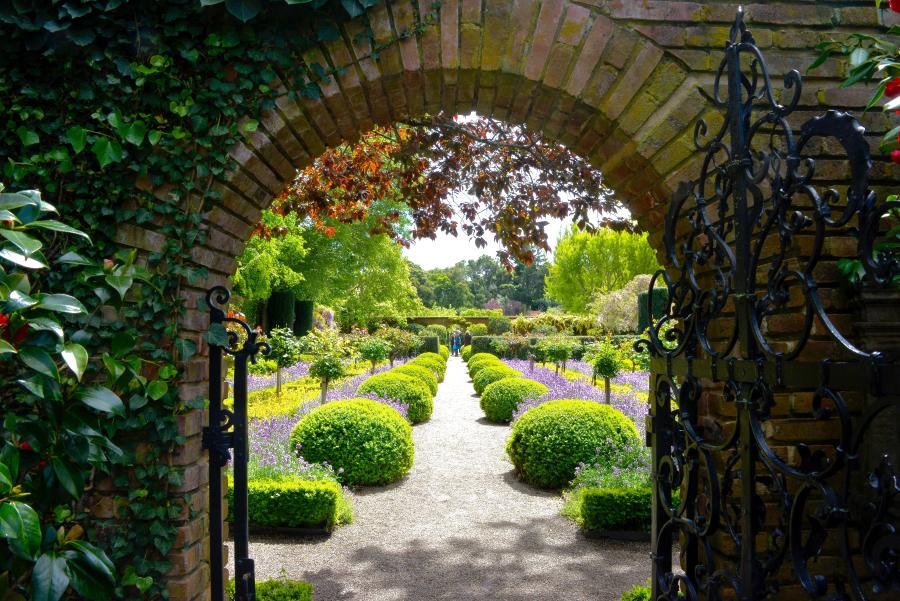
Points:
[[458, 527]]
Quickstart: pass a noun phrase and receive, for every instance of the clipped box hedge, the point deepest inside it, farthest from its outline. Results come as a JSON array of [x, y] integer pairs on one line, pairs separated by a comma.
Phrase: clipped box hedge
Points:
[[485, 344], [278, 590], [292, 503], [429, 344], [616, 508]]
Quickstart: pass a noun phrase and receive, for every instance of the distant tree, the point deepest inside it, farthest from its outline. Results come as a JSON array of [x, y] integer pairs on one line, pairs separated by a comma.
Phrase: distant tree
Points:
[[589, 262]]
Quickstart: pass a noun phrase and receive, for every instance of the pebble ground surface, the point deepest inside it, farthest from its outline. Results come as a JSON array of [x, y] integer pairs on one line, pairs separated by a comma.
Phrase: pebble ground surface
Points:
[[459, 527]]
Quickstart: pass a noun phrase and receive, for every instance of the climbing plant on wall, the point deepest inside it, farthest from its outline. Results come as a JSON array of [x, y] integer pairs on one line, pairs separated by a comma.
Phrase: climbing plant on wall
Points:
[[123, 112]]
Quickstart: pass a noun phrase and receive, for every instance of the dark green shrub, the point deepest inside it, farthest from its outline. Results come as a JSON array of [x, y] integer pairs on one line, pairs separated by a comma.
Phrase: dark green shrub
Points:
[[369, 440], [501, 398], [278, 590], [615, 508], [438, 331], [303, 317], [491, 374], [444, 352], [549, 441], [498, 325], [280, 310], [465, 352], [429, 344], [404, 388], [660, 297], [420, 372], [293, 503], [639, 592]]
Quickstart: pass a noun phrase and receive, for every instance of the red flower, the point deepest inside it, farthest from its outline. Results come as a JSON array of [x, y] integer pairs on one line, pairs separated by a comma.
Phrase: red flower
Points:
[[42, 464], [892, 89], [895, 154], [4, 321], [19, 337], [25, 446], [895, 5]]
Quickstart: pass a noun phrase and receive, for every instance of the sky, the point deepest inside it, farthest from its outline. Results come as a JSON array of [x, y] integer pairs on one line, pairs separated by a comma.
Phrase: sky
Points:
[[447, 250]]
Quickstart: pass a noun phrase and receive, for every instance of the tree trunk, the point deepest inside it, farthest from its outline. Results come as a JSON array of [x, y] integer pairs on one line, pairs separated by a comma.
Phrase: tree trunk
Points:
[[531, 364], [606, 386], [324, 395], [278, 382], [372, 371]]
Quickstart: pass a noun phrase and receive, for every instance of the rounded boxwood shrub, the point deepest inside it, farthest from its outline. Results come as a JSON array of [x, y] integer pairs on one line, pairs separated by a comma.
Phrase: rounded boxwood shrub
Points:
[[369, 440], [436, 366], [480, 356], [434, 356], [476, 366], [404, 388], [465, 352], [444, 352], [549, 441], [420, 372], [491, 374], [501, 398]]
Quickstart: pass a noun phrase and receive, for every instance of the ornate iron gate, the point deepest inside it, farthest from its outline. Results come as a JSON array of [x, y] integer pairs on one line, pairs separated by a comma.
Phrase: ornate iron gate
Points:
[[746, 514], [227, 430]]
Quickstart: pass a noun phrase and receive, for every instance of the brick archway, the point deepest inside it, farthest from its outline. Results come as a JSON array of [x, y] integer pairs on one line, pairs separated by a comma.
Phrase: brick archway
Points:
[[617, 81]]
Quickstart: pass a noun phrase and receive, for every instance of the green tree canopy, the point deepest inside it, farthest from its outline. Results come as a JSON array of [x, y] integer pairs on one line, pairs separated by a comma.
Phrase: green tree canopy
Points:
[[589, 262]]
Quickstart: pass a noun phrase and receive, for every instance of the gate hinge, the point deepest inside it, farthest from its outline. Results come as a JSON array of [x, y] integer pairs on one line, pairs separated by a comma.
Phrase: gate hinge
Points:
[[218, 442]]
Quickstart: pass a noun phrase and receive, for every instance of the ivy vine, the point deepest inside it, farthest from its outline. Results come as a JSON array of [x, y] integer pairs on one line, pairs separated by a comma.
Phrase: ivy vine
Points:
[[104, 102]]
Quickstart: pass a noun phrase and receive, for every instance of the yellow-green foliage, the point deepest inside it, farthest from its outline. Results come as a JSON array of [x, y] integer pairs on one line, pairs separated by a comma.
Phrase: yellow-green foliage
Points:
[[367, 441], [444, 352], [502, 397], [407, 389], [295, 503], [479, 356], [420, 372], [491, 374], [549, 441], [466, 352], [432, 362], [476, 365]]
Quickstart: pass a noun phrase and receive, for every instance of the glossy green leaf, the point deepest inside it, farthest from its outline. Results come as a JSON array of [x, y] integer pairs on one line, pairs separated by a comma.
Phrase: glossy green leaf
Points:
[[243, 9], [6, 479], [27, 244], [77, 138], [102, 399], [157, 389], [48, 578], [6, 348], [76, 358], [28, 262], [27, 526], [7, 216], [38, 360], [107, 151], [61, 303], [19, 301], [58, 226], [87, 582], [120, 284], [69, 477], [46, 324], [95, 559], [29, 137], [352, 7]]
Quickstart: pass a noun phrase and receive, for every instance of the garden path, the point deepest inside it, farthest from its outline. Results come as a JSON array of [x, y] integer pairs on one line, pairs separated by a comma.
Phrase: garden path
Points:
[[460, 526]]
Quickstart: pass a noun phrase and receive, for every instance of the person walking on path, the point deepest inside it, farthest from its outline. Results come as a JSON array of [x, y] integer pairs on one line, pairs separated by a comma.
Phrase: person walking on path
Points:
[[467, 339], [455, 343]]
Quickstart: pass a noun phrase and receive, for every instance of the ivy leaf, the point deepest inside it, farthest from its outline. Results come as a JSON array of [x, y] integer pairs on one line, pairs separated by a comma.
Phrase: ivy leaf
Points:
[[39, 361], [28, 137], [154, 136], [61, 303], [250, 125], [102, 399], [327, 30], [107, 151], [185, 348], [71, 479], [352, 7], [76, 357], [135, 133], [77, 138], [216, 335], [243, 9], [157, 389]]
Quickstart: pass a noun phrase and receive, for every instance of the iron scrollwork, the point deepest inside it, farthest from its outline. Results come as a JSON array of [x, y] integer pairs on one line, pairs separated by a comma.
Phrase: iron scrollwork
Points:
[[751, 507], [227, 430]]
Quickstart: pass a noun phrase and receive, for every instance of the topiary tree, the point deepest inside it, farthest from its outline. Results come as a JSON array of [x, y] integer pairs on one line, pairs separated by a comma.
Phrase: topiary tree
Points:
[[607, 362], [478, 329], [557, 349], [329, 358], [549, 441], [368, 442], [374, 350], [285, 351]]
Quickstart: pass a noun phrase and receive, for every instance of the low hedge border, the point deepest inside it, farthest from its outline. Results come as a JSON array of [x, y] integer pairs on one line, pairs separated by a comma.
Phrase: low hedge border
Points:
[[615, 512], [485, 344], [294, 503], [278, 590]]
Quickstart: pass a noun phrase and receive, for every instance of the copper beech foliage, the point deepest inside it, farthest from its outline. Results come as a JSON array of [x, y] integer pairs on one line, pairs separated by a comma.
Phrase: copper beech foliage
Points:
[[515, 181]]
